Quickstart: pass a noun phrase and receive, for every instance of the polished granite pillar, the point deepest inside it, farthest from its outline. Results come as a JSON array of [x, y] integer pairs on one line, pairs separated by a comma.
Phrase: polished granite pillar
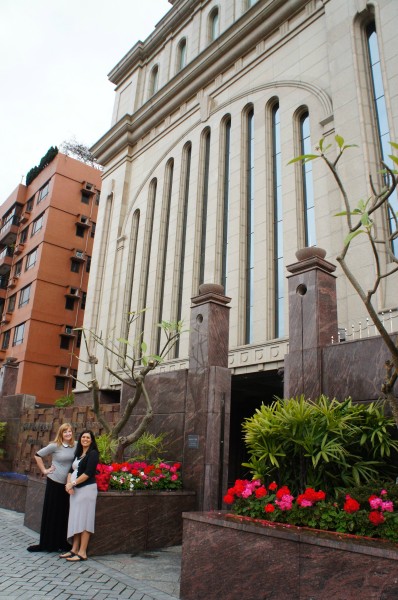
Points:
[[312, 321], [208, 399]]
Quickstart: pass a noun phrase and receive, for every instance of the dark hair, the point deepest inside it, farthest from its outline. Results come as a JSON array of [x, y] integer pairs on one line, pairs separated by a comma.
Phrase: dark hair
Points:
[[93, 445]]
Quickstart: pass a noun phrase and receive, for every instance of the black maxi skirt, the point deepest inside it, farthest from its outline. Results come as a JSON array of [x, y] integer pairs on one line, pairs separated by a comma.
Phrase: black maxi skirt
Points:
[[54, 520]]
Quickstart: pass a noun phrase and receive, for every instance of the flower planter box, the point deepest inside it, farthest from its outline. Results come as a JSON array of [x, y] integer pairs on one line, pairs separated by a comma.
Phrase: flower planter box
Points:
[[125, 522], [243, 559]]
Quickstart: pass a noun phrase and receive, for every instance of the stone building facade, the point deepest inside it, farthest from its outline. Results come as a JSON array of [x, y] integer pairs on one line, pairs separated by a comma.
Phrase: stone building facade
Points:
[[208, 112]]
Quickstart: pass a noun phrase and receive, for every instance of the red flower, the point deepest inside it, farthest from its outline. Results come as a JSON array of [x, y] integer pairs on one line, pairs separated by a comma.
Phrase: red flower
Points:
[[272, 486], [376, 517], [351, 505], [284, 490], [260, 492], [269, 508], [229, 499]]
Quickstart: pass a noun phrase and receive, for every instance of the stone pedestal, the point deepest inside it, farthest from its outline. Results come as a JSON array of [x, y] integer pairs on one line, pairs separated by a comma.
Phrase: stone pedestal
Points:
[[208, 400], [312, 321]]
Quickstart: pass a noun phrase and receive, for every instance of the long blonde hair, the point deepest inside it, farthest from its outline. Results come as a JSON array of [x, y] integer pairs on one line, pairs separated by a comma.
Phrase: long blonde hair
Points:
[[58, 438]]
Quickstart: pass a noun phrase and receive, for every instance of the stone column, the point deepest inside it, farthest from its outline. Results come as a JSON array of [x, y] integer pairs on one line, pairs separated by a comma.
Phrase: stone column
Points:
[[312, 321], [208, 399]]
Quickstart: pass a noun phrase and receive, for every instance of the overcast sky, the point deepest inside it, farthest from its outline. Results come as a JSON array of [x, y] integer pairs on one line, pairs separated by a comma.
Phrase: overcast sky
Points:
[[55, 58]]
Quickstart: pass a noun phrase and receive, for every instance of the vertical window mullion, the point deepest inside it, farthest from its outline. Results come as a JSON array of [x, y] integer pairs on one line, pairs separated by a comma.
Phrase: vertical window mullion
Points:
[[308, 193], [227, 153], [204, 207]]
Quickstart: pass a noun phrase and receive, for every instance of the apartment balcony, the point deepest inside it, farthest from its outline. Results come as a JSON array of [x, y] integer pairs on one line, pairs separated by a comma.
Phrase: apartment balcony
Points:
[[12, 282], [6, 318], [67, 331], [83, 221], [6, 260], [19, 249], [73, 293], [8, 233], [78, 255]]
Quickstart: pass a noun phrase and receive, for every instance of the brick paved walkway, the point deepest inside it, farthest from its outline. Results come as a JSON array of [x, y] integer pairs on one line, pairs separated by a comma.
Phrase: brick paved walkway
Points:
[[36, 576]]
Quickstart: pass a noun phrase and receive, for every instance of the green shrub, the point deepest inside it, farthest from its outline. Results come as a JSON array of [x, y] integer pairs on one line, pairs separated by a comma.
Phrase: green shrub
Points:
[[148, 447], [324, 444], [64, 401], [106, 447]]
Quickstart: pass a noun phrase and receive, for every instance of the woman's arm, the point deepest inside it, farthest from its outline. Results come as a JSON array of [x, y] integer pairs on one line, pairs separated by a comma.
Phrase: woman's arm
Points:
[[42, 466]]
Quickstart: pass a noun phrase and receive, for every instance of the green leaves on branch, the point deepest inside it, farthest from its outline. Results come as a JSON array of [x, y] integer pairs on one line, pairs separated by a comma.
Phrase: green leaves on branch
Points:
[[322, 150]]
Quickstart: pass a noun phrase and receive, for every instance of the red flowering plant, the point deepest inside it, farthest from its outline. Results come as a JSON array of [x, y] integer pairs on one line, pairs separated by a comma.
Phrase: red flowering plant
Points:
[[373, 517], [139, 475]]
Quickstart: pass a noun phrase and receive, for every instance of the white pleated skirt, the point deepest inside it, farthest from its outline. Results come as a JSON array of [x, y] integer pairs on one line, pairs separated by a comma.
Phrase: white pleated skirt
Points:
[[82, 510]]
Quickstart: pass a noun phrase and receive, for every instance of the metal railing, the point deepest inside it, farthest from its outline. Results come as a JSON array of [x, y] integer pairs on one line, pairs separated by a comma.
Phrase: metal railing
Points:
[[366, 328]]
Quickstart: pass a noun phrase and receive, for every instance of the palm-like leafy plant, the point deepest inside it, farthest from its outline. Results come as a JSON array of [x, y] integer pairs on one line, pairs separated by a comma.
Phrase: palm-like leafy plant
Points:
[[325, 444]]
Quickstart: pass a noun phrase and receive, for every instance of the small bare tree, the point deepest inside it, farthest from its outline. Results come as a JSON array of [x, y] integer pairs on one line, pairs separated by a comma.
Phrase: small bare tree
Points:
[[360, 220], [133, 365], [80, 152]]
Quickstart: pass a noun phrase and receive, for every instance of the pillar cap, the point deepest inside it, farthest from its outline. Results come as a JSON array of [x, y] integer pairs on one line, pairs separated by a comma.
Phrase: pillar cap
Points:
[[310, 258], [211, 292]]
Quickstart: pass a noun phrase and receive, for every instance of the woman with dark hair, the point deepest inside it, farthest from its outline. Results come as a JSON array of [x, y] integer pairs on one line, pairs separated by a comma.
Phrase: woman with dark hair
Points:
[[82, 488], [54, 520]]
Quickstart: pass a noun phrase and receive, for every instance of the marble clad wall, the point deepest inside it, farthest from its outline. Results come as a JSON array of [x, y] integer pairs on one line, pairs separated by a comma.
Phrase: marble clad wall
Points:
[[13, 494], [244, 561]]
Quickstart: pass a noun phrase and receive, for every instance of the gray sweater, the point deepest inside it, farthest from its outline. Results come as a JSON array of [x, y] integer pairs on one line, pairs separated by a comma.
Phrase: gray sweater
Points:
[[62, 459]]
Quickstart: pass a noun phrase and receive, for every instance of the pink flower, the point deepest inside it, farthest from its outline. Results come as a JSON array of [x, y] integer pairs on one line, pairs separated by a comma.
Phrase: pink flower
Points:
[[375, 502], [388, 506], [285, 502], [305, 502], [174, 477], [383, 492]]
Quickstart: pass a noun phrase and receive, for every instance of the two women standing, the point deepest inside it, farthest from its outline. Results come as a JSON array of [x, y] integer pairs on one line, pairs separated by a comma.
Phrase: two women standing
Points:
[[71, 494]]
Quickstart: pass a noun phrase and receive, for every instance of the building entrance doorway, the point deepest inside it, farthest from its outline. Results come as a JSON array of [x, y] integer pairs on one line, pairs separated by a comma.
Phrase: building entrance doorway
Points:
[[248, 392]]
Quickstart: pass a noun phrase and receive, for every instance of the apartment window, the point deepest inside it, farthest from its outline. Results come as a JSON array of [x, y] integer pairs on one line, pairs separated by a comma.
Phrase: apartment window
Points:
[[29, 204], [69, 303], [18, 268], [60, 383], [88, 264], [86, 197], [80, 229], [279, 277], [182, 54], [93, 227], [5, 342], [73, 372], [380, 110], [249, 225], [23, 235], [97, 197], [307, 183], [214, 25], [65, 342], [205, 196], [79, 338], [75, 266], [43, 192], [83, 300], [24, 295], [154, 80], [37, 224], [226, 186], [18, 334], [11, 303], [30, 259]]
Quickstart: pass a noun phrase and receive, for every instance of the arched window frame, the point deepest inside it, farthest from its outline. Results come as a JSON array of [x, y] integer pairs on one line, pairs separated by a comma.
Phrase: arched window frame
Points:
[[181, 54], [213, 24], [154, 80]]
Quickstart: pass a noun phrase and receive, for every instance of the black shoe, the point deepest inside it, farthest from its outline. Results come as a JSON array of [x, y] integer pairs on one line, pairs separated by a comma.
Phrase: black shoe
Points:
[[35, 548]]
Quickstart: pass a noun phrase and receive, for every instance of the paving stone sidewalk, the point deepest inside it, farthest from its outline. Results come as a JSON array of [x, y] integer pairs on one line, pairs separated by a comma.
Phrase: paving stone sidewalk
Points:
[[37, 576]]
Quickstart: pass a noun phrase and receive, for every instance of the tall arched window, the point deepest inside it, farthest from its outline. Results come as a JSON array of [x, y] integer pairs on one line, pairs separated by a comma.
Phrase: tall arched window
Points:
[[380, 111], [163, 244], [205, 195], [135, 222], [154, 81], [279, 278], [181, 54], [186, 173], [146, 257], [307, 182], [226, 200], [214, 25], [249, 225]]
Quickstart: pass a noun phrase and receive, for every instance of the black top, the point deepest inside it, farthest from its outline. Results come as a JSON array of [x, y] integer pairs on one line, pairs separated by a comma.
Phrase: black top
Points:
[[87, 466]]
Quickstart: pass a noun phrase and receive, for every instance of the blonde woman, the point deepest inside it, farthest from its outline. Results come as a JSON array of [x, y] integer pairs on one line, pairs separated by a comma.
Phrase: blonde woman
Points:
[[54, 520]]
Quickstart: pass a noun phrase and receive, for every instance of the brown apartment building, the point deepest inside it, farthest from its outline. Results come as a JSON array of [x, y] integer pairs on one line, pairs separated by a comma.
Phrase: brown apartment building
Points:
[[46, 238]]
